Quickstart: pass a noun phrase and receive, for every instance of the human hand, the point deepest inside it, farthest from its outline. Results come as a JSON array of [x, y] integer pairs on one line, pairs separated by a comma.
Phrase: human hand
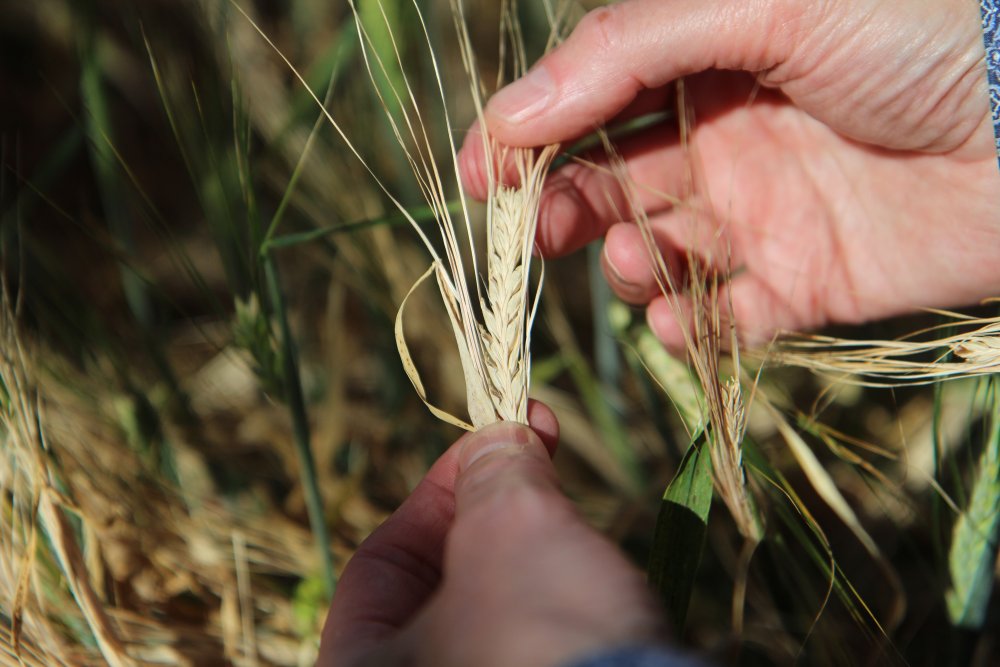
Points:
[[486, 563], [860, 182]]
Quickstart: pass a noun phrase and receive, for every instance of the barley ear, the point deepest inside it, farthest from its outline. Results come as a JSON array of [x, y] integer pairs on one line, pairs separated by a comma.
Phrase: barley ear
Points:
[[507, 311]]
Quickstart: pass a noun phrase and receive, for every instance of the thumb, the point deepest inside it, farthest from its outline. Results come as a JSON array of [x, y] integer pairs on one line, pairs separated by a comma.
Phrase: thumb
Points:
[[620, 50], [500, 464], [526, 580]]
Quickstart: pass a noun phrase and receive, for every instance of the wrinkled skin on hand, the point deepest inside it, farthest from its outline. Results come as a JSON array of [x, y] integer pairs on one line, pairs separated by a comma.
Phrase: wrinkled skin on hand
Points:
[[845, 151]]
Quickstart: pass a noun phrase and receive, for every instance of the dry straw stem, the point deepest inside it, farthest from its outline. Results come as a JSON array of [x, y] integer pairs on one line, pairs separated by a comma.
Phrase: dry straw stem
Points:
[[973, 352], [35, 505]]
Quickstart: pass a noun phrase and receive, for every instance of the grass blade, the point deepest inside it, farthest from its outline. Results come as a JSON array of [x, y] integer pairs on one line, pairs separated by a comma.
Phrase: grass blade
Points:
[[300, 423], [418, 214], [820, 479], [975, 538], [680, 532], [98, 122], [604, 416], [607, 361]]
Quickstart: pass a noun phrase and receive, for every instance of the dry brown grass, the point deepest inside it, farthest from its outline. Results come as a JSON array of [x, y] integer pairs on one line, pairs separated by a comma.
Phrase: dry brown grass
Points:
[[120, 543], [927, 356]]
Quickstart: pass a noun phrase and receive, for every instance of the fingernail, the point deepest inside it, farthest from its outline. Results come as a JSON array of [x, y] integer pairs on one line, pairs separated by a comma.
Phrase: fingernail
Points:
[[496, 437], [525, 97], [614, 269], [655, 324], [626, 289], [663, 323]]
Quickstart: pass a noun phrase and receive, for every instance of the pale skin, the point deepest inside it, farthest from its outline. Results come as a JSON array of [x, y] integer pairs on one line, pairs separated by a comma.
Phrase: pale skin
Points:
[[861, 182]]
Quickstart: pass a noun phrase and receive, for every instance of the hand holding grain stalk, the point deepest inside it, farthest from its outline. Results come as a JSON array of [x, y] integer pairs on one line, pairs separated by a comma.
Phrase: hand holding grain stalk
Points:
[[860, 181], [845, 156]]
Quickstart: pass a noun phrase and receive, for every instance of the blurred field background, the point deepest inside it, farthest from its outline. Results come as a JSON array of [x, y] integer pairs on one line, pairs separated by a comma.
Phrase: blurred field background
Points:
[[200, 387]]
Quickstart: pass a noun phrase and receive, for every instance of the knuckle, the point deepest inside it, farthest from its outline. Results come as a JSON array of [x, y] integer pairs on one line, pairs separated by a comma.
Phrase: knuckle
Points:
[[602, 29], [784, 28]]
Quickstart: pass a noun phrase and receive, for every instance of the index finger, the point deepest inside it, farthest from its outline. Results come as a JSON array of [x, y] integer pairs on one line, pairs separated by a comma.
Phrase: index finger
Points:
[[618, 51]]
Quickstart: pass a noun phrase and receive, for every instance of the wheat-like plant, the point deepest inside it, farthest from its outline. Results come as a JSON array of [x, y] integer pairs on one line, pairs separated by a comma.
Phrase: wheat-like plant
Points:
[[493, 344], [495, 350], [725, 405], [506, 330]]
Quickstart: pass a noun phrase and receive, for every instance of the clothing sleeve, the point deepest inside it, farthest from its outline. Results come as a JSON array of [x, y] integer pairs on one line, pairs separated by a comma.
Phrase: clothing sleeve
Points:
[[639, 656], [990, 10]]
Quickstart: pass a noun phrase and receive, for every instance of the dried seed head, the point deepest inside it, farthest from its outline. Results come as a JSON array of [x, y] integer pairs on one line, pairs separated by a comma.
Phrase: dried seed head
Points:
[[982, 352], [917, 359]]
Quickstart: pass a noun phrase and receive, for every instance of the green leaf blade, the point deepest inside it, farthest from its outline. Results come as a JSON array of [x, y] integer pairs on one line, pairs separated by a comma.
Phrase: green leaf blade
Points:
[[976, 537], [680, 532]]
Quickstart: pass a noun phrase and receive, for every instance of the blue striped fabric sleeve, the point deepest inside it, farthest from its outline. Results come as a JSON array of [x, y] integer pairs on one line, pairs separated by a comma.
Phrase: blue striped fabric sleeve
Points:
[[991, 34], [639, 656]]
